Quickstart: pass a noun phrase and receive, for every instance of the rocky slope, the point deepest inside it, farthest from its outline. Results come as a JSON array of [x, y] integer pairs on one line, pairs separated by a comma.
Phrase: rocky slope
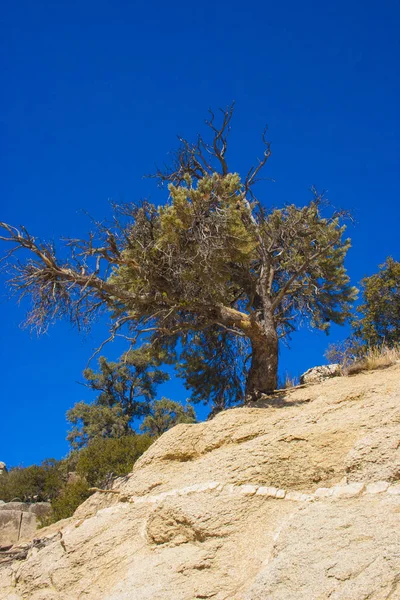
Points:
[[298, 500]]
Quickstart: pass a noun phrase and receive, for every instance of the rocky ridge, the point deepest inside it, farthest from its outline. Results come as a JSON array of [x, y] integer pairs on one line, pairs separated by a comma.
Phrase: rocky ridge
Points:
[[297, 497]]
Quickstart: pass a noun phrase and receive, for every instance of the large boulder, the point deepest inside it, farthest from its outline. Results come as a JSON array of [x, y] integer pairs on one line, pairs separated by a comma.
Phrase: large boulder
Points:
[[19, 520], [15, 526]]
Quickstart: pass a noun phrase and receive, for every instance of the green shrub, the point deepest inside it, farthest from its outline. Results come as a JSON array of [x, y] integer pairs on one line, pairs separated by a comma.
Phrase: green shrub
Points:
[[68, 500], [38, 482], [101, 459], [105, 457]]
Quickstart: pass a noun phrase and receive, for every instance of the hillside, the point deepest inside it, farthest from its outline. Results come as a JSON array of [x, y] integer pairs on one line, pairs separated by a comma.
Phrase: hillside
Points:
[[298, 500]]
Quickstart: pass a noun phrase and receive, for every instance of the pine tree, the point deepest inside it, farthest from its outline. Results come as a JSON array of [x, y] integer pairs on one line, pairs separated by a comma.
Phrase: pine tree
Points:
[[211, 261], [379, 321], [125, 390], [165, 414]]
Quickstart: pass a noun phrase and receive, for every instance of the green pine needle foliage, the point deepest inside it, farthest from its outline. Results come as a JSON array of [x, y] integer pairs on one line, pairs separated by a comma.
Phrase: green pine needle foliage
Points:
[[165, 414], [125, 390], [379, 321], [110, 457], [213, 262]]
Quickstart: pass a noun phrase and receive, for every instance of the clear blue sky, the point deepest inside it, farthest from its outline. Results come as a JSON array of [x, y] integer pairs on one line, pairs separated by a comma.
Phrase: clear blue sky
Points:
[[93, 94]]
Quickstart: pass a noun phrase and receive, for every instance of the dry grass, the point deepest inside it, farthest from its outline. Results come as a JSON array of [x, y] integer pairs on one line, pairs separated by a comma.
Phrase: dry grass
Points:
[[375, 358], [288, 381]]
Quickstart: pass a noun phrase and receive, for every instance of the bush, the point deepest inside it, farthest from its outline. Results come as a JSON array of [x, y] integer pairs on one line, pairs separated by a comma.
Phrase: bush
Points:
[[35, 483], [101, 459], [68, 500], [105, 457]]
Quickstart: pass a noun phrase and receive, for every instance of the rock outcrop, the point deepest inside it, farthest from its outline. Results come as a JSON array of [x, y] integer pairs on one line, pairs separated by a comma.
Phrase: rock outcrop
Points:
[[318, 374], [295, 499], [18, 520]]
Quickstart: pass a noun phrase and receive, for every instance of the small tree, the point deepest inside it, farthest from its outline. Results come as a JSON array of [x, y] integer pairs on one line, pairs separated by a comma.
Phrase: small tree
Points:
[[96, 465], [93, 421], [379, 322], [165, 414], [125, 390], [212, 259]]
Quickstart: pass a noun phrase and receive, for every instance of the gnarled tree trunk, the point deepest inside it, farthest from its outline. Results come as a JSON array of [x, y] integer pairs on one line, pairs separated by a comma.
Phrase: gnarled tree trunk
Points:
[[260, 328], [262, 377]]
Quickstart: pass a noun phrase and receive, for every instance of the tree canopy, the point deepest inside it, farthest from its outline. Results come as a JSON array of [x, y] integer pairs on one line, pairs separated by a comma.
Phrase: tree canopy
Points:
[[379, 321], [125, 390], [165, 414], [212, 265], [92, 421]]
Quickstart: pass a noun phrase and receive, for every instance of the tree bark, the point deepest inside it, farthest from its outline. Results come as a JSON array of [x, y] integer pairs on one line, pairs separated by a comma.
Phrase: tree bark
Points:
[[263, 373], [260, 328]]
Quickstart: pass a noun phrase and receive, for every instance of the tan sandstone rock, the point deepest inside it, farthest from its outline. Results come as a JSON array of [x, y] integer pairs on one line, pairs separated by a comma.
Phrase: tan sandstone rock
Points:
[[16, 525], [291, 500]]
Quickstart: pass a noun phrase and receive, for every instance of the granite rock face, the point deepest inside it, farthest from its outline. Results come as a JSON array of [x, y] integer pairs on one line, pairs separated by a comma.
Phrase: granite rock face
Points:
[[15, 525], [295, 501], [18, 520], [318, 374]]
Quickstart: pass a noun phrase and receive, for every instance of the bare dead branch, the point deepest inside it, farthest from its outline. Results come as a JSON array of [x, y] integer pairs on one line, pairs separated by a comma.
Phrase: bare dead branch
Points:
[[251, 177], [201, 158], [220, 139]]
